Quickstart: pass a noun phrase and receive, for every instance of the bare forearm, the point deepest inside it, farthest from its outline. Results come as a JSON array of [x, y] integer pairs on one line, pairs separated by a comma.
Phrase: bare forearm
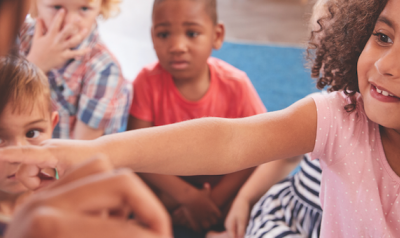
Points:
[[227, 188], [187, 148], [169, 184], [265, 176]]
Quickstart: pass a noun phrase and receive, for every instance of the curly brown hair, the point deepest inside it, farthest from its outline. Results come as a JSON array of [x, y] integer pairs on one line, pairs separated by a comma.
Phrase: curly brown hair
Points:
[[334, 49]]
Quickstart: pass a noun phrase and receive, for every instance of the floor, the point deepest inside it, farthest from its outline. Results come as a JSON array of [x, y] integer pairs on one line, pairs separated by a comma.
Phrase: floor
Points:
[[278, 22]]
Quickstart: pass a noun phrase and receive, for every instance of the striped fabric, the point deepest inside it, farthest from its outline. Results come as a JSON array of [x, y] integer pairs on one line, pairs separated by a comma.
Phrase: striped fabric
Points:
[[290, 208]]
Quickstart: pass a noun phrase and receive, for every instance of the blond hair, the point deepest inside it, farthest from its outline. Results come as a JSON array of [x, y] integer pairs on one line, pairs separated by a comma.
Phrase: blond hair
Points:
[[109, 8], [23, 84]]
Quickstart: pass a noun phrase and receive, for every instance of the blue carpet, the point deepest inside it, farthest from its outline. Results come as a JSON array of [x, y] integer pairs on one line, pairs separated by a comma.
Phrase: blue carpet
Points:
[[277, 73]]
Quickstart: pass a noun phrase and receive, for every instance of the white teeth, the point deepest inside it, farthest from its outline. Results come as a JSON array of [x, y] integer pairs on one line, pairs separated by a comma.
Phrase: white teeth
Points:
[[384, 93]]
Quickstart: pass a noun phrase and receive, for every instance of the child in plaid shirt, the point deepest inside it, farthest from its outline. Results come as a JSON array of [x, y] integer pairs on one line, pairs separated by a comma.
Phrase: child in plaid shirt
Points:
[[85, 79]]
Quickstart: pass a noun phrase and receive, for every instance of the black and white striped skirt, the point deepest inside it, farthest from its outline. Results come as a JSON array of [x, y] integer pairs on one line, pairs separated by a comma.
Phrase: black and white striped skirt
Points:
[[290, 208]]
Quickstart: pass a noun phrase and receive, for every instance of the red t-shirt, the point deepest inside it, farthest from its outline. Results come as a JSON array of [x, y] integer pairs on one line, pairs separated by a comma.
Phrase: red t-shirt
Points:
[[230, 95]]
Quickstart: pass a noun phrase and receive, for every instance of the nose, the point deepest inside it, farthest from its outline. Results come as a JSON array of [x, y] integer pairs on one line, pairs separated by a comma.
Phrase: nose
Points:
[[72, 18], [178, 45], [388, 64]]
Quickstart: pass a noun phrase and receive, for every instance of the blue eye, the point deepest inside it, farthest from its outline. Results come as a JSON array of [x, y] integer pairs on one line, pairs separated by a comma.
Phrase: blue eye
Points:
[[32, 134], [163, 35]]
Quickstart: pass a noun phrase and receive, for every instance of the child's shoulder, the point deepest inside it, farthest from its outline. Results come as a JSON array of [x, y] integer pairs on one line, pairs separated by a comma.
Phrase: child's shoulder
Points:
[[226, 70], [151, 73], [228, 75]]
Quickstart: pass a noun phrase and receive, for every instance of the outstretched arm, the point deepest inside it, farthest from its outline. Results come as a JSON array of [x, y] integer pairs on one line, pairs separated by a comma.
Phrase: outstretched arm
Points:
[[202, 146]]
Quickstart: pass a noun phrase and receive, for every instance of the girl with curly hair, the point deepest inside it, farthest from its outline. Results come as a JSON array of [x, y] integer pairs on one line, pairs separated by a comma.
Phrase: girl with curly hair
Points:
[[354, 130]]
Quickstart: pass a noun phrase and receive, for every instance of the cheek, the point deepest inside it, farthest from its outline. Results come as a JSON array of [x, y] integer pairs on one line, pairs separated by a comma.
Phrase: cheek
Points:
[[365, 67]]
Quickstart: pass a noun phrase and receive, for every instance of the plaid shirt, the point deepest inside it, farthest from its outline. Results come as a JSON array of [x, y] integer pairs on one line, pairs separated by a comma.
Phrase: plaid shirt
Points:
[[91, 89]]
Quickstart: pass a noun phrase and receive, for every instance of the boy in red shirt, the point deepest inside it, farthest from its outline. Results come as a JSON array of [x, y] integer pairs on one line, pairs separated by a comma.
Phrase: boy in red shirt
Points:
[[186, 84]]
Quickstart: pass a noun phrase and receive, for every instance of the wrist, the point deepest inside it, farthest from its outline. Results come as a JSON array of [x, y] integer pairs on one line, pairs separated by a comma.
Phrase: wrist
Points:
[[38, 63], [186, 194]]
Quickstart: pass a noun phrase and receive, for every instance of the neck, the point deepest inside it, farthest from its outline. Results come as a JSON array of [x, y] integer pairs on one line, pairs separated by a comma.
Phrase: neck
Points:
[[193, 89], [391, 146]]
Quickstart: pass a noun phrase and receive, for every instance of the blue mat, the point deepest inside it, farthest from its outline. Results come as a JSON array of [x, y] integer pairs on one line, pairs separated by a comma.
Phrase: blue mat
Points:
[[277, 73]]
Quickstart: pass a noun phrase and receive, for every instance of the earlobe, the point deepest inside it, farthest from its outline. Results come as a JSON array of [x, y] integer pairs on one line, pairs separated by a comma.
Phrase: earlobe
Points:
[[219, 36], [54, 119]]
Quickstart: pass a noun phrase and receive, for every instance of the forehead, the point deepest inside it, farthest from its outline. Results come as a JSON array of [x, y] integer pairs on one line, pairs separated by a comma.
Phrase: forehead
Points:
[[13, 117], [69, 1], [177, 11], [390, 14]]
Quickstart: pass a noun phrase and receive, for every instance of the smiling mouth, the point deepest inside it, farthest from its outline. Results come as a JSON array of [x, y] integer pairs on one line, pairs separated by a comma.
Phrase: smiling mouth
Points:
[[384, 93]]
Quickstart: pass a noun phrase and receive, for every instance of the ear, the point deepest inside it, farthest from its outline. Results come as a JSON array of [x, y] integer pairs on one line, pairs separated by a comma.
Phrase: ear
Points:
[[152, 35], [54, 119], [219, 36]]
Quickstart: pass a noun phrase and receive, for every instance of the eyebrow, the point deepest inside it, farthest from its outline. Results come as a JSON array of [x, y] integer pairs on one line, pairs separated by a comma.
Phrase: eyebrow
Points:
[[187, 23], [386, 21], [35, 122], [162, 24]]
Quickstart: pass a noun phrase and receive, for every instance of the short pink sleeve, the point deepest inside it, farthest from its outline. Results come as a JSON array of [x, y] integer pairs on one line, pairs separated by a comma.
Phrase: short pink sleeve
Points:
[[336, 128]]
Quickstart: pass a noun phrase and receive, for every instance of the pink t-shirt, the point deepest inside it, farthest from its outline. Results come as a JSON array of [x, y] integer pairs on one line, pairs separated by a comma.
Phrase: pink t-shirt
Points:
[[359, 190]]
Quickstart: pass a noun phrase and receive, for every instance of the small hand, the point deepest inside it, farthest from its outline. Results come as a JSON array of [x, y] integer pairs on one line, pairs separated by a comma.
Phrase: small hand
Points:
[[238, 218], [92, 201], [200, 211], [52, 48]]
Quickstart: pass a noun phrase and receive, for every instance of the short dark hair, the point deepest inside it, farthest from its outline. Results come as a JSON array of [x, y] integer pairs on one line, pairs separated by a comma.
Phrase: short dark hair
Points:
[[210, 5]]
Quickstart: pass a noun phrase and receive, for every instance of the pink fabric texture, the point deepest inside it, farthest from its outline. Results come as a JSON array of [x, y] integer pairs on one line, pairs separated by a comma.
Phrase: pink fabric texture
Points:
[[359, 190]]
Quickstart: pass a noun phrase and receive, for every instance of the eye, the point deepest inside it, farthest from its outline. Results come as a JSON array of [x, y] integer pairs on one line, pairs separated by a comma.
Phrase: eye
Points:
[[192, 34], [32, 134], [163, 35], [85, 9], [383, 38], [57, 7]]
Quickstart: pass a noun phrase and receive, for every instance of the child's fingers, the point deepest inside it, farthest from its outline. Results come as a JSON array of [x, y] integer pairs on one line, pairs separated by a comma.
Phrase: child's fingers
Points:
[[69, 31], [55, 27], [74, 54], [28, 175], [192, 222], [111, 190], [240, 229], [75, 40], [39, 29], [98, 164]]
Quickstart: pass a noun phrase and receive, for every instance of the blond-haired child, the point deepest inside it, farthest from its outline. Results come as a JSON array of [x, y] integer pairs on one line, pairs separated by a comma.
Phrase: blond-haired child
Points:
[[26, 118], [85, 79]]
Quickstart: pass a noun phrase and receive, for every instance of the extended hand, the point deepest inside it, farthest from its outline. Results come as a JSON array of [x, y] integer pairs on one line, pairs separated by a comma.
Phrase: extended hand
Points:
[[92, 201]]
